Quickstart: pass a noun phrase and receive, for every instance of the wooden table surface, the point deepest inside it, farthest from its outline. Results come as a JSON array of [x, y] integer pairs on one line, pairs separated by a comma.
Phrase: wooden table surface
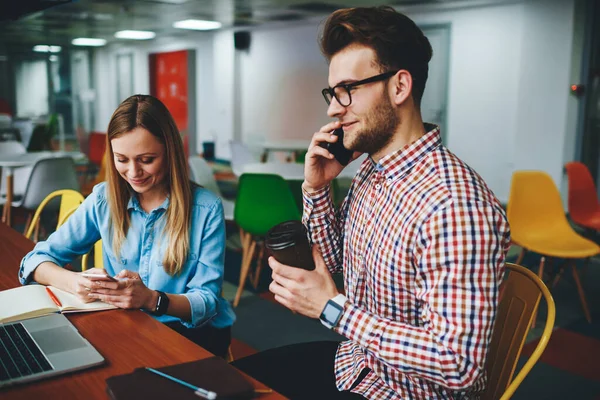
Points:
[[127, 339]]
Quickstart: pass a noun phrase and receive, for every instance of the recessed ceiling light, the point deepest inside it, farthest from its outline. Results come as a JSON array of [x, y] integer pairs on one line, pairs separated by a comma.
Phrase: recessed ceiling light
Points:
[[197, 24], [88, 42], [136, 35], [44, 48]]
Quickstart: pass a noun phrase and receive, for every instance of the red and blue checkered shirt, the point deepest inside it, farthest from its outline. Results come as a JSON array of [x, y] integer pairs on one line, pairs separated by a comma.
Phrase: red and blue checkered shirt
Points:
[[421, 241]]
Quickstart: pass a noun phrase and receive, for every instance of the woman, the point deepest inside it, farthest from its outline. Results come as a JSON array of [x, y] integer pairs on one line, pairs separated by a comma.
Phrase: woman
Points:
[[163, 236]]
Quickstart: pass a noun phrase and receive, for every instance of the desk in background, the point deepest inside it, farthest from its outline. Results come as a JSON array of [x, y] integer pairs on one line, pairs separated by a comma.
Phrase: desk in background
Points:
[[10, 162], [127, 339], [292, 146]]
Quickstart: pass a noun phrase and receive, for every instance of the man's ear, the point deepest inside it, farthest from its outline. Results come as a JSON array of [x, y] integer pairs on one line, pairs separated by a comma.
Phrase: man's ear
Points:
[[402, 87]]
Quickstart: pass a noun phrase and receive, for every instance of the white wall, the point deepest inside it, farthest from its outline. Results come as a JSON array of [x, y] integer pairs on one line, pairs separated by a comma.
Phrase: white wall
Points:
[[32, 88], [281, 79], [509, 105], [206, 84]]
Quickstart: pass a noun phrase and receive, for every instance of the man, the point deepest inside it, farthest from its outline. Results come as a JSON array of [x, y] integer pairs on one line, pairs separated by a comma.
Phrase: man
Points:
[[420, 238]]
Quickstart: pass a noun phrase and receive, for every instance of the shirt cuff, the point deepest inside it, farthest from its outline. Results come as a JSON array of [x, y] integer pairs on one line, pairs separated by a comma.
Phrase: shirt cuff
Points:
[[29, 264], [318, 203]]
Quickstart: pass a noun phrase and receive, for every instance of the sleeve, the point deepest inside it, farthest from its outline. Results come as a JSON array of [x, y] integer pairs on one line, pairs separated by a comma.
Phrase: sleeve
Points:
[[204, 289], [460, 263], [72, 239], [324, 226]]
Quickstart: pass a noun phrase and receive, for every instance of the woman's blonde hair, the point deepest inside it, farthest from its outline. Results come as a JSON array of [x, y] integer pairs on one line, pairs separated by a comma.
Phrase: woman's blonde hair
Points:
[[151, 114]]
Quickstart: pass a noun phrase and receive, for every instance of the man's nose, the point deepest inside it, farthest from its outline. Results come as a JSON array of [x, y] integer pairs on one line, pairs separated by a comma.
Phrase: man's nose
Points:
[[335, 109]]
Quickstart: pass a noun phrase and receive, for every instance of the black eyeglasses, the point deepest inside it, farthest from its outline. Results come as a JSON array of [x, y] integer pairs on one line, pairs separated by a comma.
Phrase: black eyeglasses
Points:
[[342, 94]]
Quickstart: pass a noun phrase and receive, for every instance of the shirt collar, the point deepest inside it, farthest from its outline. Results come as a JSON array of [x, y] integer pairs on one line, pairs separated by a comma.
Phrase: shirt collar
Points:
[[134, 204], [397, 163]]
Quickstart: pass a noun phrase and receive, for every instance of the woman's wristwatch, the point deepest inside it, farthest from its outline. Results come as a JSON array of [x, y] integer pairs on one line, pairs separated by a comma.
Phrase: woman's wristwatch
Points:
[[161, 305]]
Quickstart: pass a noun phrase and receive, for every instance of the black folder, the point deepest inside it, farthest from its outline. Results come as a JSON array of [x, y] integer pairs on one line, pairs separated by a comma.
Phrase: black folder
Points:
[[213, 374]]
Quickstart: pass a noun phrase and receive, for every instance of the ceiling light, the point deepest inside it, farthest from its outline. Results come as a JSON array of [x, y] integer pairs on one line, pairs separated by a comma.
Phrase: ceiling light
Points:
[[137, 35], [88, 42], [197, 24], [44, 48]]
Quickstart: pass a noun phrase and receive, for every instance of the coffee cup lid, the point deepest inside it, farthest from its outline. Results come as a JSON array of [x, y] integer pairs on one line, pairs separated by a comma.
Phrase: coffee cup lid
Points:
[[284, 235]]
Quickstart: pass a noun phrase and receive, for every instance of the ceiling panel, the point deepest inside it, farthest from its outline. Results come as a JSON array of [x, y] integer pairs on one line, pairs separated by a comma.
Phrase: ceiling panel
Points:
[[24, 23]]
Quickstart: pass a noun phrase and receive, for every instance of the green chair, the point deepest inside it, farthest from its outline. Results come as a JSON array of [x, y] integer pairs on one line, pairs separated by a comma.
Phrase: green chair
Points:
[[263, 201]]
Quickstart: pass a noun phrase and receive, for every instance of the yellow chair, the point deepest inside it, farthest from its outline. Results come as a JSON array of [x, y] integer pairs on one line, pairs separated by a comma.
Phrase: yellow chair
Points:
[[69, 200], [538, 223], [98, 262], [520, 297]]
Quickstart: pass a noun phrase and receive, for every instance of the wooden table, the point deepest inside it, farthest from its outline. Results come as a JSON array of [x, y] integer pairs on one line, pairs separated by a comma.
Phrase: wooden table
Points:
[[127, 339]]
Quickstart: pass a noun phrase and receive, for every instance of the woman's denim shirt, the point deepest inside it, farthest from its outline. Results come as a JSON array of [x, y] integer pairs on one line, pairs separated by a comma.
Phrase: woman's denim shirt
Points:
[[201, 278]]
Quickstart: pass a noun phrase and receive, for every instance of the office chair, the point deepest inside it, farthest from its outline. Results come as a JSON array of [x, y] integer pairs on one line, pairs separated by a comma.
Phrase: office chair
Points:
[[583, 205], [520, 296], [538, 223], [263, 200]]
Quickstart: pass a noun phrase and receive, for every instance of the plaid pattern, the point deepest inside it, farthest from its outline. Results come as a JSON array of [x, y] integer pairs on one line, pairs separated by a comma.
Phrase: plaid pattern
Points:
[[421, 240]]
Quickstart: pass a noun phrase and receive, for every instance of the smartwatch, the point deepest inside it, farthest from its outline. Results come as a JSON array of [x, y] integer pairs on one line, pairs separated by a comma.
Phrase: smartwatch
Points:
[[332, 312], [161, 305]]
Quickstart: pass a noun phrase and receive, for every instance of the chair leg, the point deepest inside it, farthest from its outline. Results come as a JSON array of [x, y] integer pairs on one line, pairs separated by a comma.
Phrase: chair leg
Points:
[[584, 305], [259, 265], [27, 222], [229, 358], [521, 256], [244, 273], [557, 277], [36, 232], [540, 274]]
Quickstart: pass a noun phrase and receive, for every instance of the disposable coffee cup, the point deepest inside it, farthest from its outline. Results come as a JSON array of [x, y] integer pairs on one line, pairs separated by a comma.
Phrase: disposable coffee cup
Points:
[[288, 243]]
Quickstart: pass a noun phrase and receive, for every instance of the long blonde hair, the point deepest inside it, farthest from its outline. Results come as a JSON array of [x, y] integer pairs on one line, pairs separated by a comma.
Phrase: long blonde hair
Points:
[[151, 114]]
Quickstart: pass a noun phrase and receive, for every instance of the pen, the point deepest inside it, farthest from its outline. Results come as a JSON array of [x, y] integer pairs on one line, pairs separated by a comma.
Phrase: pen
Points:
[[198, 391], [53, 297]]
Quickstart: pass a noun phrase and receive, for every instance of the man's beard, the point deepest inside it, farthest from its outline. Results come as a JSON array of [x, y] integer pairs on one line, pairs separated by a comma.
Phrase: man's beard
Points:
[[379, 127]]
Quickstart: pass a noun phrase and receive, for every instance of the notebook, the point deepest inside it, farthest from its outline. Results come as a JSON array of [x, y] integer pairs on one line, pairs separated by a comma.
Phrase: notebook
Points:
[[34, 301], [43, 347], [213, 374]]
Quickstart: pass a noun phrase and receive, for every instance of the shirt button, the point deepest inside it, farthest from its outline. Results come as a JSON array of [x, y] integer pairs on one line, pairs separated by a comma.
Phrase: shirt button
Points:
[[378, 186]]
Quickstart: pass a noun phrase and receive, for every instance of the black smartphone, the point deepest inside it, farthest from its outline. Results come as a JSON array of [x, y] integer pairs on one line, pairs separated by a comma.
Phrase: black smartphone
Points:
[[342, 154]]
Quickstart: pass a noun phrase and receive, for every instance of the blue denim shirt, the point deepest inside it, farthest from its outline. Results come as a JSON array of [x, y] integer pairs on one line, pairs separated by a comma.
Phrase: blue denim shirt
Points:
[[201, 278]]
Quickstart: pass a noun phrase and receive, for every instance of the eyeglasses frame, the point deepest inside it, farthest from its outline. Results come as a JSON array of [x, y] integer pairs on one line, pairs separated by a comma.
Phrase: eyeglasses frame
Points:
[[330, 91]]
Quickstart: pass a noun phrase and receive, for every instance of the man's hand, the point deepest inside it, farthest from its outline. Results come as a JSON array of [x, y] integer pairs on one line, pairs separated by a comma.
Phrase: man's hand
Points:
[[305, 292], [320, 167], [128, 292]]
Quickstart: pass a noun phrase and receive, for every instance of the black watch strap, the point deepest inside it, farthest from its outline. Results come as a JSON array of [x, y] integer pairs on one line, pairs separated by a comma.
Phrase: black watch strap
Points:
[[162, 305]]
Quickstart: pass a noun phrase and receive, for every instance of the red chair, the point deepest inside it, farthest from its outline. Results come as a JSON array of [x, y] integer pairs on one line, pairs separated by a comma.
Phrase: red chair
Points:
[[584, 207], [97, 147]]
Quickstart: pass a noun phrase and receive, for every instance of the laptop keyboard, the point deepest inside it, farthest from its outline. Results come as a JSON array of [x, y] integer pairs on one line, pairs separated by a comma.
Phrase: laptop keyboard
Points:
[[19, 355]]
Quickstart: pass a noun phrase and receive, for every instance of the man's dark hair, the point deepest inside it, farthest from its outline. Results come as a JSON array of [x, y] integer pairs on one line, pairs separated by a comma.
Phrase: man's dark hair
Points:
[[397, 41]]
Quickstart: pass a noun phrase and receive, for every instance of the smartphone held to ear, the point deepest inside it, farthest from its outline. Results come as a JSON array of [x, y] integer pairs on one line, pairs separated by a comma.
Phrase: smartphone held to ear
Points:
[[342, 154]]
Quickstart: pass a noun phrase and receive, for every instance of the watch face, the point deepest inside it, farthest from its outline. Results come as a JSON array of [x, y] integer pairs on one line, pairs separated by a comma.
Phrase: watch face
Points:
[[331, 312]]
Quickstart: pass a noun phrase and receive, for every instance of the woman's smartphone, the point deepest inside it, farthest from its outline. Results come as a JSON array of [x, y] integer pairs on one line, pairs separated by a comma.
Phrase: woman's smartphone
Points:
[[99, 277], [342, 154]]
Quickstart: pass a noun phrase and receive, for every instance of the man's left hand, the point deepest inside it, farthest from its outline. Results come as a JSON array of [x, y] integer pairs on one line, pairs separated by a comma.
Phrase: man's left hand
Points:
[[302, 291]]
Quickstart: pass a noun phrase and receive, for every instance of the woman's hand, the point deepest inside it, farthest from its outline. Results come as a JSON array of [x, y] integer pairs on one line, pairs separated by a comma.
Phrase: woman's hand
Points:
[[81, 287], [128, 292]]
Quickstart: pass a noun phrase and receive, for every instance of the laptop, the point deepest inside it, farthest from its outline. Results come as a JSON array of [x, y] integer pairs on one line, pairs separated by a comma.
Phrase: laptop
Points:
[[41, 347]]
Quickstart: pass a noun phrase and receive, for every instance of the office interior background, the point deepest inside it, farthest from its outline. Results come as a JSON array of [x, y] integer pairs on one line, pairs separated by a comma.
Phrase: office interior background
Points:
[[514, 84]]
